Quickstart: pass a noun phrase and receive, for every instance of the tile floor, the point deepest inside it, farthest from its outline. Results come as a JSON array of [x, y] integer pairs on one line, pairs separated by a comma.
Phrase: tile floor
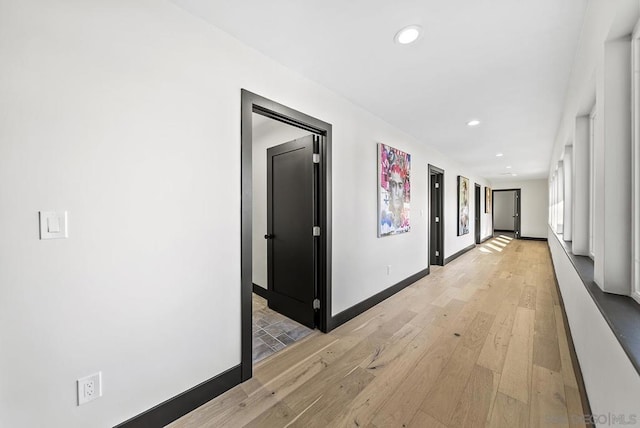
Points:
[[273, 331]]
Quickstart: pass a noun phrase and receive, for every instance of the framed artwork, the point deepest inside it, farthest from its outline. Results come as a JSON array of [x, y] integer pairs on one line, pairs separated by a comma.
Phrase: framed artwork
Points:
[[394, 191], [487, 199], [463, 205]]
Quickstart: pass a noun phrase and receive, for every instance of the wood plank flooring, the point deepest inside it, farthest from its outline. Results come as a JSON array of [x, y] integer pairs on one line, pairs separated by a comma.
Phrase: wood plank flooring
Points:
[[477, 343]]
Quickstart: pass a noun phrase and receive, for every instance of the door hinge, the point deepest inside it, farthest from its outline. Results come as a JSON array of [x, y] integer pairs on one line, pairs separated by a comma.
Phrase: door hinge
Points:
[[437, 253], [316, 158], [316, 303], [437, 219], [437, 185], [316, 230]]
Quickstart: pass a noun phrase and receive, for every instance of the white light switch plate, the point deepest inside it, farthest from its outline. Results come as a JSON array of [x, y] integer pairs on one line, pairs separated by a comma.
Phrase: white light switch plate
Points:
[[53, 225]]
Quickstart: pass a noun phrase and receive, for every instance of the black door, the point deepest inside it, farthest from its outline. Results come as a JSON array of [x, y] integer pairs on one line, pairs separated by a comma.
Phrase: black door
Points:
[[477, 214], [516, 214], [291, 213], [436, 240]]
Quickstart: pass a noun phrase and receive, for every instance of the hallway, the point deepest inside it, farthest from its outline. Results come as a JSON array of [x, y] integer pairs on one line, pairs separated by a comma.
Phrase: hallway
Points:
[[478, 342]]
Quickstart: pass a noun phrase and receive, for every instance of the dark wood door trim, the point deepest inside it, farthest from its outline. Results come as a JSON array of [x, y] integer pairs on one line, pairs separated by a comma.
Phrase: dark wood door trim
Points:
[[517, 222], [478, 205], [436, 229], [253, 103]]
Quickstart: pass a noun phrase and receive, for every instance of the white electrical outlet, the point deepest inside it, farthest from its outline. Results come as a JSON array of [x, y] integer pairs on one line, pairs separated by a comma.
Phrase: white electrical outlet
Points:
[[89, 388]]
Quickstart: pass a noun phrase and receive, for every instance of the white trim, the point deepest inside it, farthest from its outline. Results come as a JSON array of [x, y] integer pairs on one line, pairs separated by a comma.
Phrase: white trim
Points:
[[555, 203], [635, 162], [567, 205], [551, 202], [592, 180], [560, 190]]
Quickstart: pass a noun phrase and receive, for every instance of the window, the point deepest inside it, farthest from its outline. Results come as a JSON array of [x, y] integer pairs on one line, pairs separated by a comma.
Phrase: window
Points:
[[592, 184], [553, 202], [560, 198], [568, 193], [635, 159]]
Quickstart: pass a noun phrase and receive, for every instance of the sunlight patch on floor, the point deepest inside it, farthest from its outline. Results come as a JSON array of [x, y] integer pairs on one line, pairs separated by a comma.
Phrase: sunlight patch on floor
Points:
[[493, 247]]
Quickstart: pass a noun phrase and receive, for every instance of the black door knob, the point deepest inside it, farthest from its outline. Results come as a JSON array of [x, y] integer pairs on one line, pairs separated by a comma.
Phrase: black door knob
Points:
[[268, 236]]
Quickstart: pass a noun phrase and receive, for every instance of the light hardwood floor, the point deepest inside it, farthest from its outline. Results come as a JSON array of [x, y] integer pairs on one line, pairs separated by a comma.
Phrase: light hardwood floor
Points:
[[479, 342]]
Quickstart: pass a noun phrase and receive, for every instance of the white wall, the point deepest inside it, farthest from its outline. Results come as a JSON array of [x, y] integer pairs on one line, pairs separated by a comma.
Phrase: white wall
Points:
[[359, 256], [534, 205], [614, 261], [567, 222], [504, 210], [611, 381], [266, 133], [601, 76], [580, 183], [452, 242], [127, 114]]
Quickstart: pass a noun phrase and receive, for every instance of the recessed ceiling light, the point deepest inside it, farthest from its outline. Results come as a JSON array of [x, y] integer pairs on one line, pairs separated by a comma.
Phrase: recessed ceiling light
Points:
[[474, 122], [407, 35], [509, 167], [499, 155], [514, 175]]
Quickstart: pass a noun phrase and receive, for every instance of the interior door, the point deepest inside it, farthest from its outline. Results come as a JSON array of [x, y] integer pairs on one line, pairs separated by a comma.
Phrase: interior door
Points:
[[436, 241], [516, 214], [477, 213], [291, 213]]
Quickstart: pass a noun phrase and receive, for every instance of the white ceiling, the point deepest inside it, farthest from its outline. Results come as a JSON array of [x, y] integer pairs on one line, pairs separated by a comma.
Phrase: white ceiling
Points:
[[505, 62]]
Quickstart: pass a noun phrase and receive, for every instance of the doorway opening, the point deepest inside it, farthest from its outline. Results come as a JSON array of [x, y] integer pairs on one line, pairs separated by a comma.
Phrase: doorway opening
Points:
[[286, 220], [506, 211], [436, 218], [478, 231], [283, 265]]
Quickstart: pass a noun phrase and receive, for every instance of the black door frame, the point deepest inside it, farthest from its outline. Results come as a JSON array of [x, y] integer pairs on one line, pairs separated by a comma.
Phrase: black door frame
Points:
[[253, 103], [439, 259], [516, 218], [478, 206]]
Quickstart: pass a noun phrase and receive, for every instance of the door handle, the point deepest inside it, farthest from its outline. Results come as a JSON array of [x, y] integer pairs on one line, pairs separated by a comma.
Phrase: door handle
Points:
[[268, 236]]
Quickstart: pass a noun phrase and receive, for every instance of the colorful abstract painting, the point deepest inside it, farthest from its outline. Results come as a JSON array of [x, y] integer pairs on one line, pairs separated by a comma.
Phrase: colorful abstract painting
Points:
[[463, 205], [394, 191]]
